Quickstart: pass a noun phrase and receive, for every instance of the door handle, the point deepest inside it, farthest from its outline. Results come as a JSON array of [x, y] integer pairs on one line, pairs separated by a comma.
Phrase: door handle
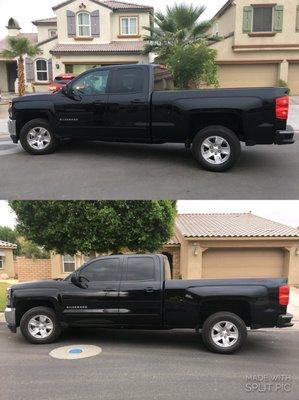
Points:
[[137, 101], [99, 102], [110, 290], [149, 290]]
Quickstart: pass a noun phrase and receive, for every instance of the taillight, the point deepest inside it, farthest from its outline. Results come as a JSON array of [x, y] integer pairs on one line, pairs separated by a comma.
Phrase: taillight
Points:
[[284, 295], [282, 107]]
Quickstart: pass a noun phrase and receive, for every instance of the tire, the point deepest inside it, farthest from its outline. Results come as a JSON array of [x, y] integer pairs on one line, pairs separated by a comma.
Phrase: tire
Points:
[[224, 344], [31, 316], [42, 130], [224, 151]]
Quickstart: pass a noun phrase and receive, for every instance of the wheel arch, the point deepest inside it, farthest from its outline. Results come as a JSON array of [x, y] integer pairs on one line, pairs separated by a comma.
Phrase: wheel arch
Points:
[[23, 306]]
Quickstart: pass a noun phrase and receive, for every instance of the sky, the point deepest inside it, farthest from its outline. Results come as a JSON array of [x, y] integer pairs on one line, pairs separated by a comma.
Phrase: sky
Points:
[[26, 11], [285, 212]]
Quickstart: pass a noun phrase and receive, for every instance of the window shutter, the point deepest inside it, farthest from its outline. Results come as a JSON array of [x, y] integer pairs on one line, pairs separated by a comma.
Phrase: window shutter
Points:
[[247, 19], [50, 70], [71, 23], [95, 23], [297, 19], [29, 68], [278, 18]]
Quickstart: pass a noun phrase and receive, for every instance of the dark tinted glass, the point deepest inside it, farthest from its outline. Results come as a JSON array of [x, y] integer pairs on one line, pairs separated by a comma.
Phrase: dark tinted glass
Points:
[[128, 80], [92, 84], [141, 269], [262, 19], [102, 270]]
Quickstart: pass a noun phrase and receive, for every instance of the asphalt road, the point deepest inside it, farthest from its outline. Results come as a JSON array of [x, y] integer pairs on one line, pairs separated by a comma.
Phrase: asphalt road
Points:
[[130, 171], [148, 365]]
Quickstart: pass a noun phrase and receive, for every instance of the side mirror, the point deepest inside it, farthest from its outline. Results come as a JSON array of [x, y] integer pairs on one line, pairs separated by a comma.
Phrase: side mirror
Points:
[[75, 279], [65, 90]]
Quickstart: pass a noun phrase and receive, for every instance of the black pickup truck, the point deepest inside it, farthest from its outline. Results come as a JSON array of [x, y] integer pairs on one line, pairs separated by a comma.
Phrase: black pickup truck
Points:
[[137, 104], [136, 291]]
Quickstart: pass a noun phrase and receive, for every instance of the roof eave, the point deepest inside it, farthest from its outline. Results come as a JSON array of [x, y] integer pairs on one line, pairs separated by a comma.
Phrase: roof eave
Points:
[[223, 9]]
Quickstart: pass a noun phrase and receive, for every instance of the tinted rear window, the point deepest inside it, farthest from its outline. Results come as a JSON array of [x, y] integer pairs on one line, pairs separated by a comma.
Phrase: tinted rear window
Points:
[[128, 80]]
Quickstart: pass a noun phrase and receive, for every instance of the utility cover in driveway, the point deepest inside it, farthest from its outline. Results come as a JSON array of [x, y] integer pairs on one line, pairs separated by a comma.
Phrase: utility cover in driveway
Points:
[[75, 352]]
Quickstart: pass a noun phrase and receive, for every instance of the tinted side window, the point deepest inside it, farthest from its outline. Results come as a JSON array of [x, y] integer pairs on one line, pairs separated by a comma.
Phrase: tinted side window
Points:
[[140, 269], [105, 270], [92, 84], [128, 80]]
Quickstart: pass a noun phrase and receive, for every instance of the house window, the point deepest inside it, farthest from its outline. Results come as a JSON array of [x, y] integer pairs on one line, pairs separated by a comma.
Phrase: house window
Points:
[[84, 24], [262, 19], [129, 26], [1, 262], [52, 33], [216, 29], [41, 70], [69, 264]]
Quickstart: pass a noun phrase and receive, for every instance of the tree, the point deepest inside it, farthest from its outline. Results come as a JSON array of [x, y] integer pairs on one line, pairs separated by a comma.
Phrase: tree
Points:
[[181, 43], [10, 235], [30, 249], [68, 227], [18, 48]]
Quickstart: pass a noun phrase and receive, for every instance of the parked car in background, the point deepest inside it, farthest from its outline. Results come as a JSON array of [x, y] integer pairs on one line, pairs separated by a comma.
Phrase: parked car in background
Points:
[[60, 81], [137, 291]]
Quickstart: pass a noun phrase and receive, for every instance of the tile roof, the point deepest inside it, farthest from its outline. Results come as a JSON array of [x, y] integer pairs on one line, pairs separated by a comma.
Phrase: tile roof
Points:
[[45, 21], [113, 47], [173, 241], [113, 5], [32, 37], [6, 245], [231, 225]]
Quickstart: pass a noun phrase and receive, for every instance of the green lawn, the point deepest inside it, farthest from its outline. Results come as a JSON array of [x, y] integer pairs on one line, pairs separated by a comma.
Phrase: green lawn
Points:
[[3, 287]]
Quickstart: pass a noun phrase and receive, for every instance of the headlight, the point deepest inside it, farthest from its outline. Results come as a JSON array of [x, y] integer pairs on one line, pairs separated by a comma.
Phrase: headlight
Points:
[[8, 296]]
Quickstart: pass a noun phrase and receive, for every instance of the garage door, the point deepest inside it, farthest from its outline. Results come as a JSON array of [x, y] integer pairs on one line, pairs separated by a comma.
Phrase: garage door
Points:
[[243, 263], [248, 75], [294, 79]]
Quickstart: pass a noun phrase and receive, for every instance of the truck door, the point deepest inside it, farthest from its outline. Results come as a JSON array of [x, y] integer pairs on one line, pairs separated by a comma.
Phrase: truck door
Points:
[[82, 114], [98, 301], [128, 106], [140, 298]]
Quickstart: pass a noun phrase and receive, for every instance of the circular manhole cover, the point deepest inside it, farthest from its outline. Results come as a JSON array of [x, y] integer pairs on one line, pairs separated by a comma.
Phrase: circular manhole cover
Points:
[[75, 352]]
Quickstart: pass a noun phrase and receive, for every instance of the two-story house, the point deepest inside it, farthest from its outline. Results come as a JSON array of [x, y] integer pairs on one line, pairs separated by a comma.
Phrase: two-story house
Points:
[[87, 33], [260, 45]]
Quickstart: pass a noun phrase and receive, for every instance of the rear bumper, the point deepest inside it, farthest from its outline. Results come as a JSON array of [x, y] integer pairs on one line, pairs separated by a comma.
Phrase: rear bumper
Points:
[[284, 321], [10, 317], [285, 137]]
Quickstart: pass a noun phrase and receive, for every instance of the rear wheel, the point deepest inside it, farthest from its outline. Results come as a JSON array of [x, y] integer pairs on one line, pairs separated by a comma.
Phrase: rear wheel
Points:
[[216, 148], [224, 333], [40, 325], [37, 138]]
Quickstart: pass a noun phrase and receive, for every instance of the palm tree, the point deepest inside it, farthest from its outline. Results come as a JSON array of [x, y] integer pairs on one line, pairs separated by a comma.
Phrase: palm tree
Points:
[[18, 48], [180, 25]]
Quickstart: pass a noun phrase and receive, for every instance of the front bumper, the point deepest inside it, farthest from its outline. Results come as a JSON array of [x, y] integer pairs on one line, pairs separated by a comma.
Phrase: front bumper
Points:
[[12, 129], [10, 317], [285, 137], [284, 321]]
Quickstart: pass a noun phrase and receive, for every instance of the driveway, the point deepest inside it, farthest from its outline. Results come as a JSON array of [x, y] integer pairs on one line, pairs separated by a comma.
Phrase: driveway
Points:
[[131, 171], [149, 365]]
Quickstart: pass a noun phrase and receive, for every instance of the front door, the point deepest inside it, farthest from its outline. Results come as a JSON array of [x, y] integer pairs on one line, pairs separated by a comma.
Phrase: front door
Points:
[[12, 74], [82, 114], [97, 302], [140, 298], [128, 109]]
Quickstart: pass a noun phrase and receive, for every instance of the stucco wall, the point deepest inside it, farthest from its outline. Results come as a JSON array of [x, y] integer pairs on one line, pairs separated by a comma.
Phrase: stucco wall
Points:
[[57, 265], [43, 32]]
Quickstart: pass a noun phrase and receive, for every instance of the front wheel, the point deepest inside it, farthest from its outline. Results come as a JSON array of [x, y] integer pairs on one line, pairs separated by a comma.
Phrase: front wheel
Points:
[[37, 138], [40, 325], [224, 333], [216, 148]]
